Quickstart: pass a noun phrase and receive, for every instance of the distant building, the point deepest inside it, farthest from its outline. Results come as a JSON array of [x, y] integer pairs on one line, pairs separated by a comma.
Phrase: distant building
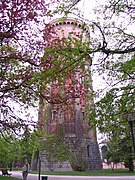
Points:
[[70, 97]]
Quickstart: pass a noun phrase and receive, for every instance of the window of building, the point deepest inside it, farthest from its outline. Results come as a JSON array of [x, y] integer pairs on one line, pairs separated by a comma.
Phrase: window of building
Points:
[[88, 150], [83, 114], [54, 114]]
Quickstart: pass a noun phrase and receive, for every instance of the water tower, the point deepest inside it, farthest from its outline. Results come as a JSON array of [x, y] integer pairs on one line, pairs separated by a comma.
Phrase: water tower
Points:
[[70, 96]]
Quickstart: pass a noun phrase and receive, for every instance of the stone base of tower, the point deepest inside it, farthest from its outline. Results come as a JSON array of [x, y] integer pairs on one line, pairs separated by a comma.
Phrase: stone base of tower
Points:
[[54, 166], [94, 158], [90, 157]]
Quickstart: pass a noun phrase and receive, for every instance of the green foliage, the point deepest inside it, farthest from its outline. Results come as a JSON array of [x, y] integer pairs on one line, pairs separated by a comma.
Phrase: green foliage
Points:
[[7, 178], [14, 150], [120, 150], [64, 58], [8, 150], [56, 150], [111, 121], [110, 115], [77, 162], [111, 108], [129, 66]]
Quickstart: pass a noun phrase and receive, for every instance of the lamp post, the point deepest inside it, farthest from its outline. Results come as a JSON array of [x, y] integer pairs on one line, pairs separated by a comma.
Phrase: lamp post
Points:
[[39, 163], [39, 170], [131, 118]]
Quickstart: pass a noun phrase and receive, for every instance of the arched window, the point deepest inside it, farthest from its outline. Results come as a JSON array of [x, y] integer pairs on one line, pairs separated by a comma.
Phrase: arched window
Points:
[[103, 150]]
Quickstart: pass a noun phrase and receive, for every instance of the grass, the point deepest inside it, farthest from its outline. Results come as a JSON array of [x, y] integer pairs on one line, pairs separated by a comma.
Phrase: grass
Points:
[[105, 172], [7, 178]]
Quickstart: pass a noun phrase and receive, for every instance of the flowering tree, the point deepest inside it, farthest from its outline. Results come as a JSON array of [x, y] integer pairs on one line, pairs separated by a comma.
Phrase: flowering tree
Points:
[[21, 46]]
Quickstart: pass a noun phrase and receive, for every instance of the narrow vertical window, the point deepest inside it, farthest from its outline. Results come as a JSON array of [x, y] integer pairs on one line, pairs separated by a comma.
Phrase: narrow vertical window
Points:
[[88, 150], [54, 113], [82, 114]]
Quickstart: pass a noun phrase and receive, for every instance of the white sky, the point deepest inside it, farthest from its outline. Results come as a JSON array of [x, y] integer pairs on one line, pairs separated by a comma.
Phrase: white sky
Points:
[[87, 9]]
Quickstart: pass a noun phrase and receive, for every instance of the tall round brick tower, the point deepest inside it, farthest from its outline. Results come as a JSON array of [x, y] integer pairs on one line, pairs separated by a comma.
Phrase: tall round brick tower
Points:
[[70, 96]]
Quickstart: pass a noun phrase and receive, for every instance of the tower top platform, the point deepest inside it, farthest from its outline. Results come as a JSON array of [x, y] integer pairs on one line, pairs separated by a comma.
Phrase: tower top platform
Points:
[[70, 21]]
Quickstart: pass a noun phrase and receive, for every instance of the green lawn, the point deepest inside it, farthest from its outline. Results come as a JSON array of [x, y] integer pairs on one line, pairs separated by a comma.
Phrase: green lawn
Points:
[[7, 178], [106, 172]]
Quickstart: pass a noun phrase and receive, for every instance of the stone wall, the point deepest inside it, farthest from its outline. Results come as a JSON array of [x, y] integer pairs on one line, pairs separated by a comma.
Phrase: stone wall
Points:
[[94, 159], [83, 151]]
